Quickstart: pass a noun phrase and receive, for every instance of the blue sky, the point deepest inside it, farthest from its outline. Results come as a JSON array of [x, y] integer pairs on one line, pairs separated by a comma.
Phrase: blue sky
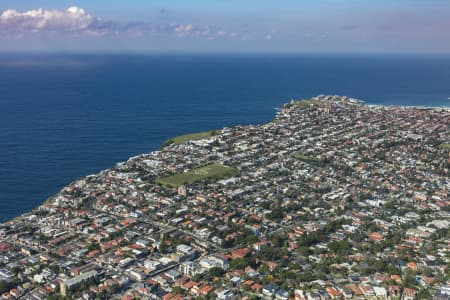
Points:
[[330, 26]]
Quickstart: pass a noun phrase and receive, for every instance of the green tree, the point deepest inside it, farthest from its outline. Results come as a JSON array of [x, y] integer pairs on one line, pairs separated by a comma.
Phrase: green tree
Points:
[[424, 294], [251, 239], [409, 281], [340, 247], [216, 272], [6, 286], [241, 263], [197, 277]]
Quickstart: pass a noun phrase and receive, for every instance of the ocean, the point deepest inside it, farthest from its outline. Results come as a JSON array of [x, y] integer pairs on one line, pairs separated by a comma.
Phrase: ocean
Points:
[[67, 116]]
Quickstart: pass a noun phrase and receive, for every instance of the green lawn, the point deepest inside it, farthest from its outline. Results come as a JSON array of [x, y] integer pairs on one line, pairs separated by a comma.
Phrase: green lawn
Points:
[[192, 137], [305, 103], [445, 146], [313, 160], [209, 171]]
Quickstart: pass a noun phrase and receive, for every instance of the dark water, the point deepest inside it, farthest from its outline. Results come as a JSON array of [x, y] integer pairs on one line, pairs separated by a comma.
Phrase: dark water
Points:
[[63, 117]]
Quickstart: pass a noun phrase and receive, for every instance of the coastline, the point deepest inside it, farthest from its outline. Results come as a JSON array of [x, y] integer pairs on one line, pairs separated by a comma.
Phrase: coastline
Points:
[[169, 142], [315, 176], [53, 132]]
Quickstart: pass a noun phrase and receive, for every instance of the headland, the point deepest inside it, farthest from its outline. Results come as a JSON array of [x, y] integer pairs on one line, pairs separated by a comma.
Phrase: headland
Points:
[[333, 197]]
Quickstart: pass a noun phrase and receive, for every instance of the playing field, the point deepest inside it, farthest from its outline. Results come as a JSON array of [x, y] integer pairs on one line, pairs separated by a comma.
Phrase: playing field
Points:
[[210, 171], [192, 137], [313, 160], [445, 146]]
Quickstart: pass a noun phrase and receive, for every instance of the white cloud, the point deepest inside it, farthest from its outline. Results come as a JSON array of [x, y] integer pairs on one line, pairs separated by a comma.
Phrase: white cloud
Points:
[[76, 21], [73, 19]]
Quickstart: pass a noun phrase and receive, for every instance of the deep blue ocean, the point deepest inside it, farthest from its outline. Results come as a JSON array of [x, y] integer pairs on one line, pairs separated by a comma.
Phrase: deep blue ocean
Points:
[[66, 116]]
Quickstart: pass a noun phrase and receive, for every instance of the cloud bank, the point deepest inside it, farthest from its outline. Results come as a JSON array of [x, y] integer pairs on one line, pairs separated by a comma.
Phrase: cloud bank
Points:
[[76, 21], [391, 29], [72, 20]]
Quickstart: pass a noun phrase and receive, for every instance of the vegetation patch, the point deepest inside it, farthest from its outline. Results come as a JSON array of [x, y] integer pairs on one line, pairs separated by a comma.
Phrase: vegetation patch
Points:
[[445, 146], [313, 160], [178, 140], [217, 171], [303, 103]]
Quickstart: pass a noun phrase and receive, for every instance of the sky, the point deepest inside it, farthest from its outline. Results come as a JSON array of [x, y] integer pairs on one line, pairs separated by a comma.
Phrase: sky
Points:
[[298, 26]]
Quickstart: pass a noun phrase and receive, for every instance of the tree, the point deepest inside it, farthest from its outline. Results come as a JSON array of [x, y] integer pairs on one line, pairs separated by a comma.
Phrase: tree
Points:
[[424, 294], [6, 286], [391, 270], [216, 272], [241, 263], [197, 277], [409, 280], [278, 240], [177, 290], [305, 277], [251, 239], [340, 248], [271, 253], [276, 214], [93, 246], [304, 251]]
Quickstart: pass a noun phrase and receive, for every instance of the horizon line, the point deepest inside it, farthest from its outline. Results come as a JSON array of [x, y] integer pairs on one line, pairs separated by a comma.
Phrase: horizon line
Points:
[[230, 52]]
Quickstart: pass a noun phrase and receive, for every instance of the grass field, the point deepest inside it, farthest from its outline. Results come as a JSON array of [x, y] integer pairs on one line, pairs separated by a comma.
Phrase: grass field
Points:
[[445, 146], [305, 103], [209, 171], [178, 140]]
